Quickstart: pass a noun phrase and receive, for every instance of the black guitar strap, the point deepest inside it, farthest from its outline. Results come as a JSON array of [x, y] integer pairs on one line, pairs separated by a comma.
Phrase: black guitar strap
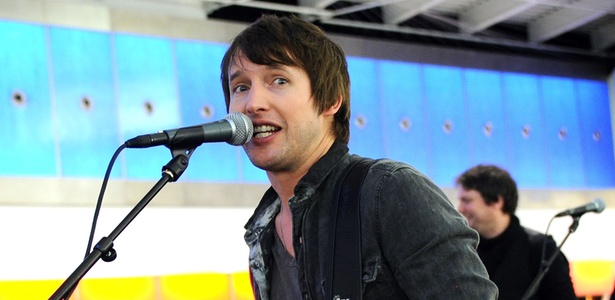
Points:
[[344, 276]]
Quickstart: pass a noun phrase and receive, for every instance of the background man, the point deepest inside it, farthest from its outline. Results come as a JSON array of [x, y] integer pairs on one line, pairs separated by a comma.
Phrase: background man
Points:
[[512, 254]]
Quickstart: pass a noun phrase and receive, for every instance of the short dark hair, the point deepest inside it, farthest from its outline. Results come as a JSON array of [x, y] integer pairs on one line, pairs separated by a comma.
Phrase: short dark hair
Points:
[[291, 41], [491, 182]]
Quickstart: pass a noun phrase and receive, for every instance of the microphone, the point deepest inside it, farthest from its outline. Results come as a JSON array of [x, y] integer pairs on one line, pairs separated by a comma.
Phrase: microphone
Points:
[[596, 206], [235, 129]]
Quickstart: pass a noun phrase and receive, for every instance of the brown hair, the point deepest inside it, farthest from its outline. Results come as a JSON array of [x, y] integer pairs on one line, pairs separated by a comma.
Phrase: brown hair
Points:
[[491, 182], [291, 41]]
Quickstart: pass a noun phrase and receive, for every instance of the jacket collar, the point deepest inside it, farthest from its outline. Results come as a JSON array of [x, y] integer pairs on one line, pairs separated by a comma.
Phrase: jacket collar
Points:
[[306, 186], [321, 170]]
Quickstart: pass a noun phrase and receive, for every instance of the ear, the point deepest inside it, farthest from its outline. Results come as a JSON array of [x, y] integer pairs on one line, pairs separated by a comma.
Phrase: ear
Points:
[[334, 108], [499, 204]]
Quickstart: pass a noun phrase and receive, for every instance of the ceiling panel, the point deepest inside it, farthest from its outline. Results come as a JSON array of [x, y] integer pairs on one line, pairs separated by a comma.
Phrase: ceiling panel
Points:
[[579, 29]]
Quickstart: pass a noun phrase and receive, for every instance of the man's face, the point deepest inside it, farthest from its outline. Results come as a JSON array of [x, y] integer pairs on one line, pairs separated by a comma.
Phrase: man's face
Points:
[[288, 131], [473, 207]]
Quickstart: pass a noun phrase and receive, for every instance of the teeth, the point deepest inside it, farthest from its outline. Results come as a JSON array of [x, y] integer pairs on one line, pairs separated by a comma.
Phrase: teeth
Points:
[[263, 134], [263, 128], [262, 131]]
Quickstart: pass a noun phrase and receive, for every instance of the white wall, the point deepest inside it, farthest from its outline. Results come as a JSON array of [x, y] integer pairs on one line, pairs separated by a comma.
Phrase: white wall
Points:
[[50, 242]]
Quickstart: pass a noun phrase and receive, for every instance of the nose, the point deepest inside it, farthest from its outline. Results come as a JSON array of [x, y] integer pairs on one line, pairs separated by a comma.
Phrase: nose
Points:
[[256, 100]]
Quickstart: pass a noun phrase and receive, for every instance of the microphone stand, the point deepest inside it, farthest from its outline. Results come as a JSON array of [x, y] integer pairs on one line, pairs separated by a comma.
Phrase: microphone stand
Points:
[[104, 249], [546, 265]]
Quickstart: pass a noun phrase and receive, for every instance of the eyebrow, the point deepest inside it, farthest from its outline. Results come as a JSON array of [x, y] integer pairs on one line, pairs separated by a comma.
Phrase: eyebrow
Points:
[[233, 75], [269, 67]]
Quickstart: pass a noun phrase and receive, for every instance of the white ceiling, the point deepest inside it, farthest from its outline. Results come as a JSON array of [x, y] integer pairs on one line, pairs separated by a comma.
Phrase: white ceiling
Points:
[[576, 27]]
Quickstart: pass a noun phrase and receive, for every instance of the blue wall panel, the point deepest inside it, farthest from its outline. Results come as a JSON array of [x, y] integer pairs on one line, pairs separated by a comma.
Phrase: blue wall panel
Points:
[[147, 95], [487, 128], [27, 146], [447, 123], [365, 128], [85, 101], [525, 127], [563, 141], [432, 117], [596, 134], [202, 101], [403, 118]]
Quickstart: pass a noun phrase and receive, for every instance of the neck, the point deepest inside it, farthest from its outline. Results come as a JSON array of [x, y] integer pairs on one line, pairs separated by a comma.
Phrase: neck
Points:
[[499, 226], [285, 181]]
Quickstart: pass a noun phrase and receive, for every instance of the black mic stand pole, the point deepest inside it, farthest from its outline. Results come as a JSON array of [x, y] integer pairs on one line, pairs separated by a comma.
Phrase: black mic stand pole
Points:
[[546, 265], [104, 249]]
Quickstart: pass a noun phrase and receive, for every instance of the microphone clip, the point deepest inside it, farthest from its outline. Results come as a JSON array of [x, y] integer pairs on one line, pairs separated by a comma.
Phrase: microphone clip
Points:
[[176, 166]]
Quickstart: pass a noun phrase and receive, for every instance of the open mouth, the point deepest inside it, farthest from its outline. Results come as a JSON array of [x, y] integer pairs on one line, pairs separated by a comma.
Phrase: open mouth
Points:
[[262, 131]]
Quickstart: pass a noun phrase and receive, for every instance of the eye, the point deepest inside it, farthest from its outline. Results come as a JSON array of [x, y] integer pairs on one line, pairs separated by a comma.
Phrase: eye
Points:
[[280, 81], [240, 88]]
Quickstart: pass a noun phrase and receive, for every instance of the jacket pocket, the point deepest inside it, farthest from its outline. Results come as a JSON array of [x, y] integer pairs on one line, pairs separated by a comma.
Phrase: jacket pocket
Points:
[[378, 281]]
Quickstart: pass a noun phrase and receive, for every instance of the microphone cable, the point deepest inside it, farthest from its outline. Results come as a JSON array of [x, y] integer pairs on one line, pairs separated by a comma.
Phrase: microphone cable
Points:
[[100, 197]]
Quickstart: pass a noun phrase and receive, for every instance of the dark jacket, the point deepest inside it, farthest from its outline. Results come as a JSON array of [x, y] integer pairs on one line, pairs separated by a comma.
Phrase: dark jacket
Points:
[[513, 260], [415, 245]]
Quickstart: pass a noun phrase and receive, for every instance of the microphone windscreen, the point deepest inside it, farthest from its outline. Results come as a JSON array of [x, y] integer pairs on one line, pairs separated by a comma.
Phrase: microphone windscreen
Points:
[[600, 205], [242, 128]]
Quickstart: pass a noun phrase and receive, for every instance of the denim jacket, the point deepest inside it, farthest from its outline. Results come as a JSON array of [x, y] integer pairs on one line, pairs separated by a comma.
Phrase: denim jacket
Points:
[[415, 245]]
